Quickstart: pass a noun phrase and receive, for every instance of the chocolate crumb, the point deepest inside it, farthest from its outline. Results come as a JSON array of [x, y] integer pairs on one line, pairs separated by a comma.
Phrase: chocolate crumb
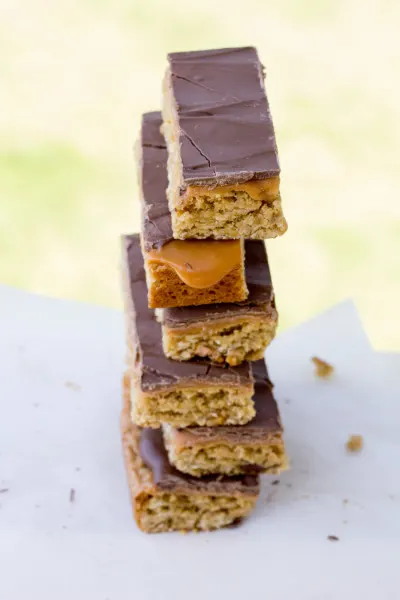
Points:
[[275, 482], [4, 490], [72, 496], [189, 266], [333, 538], [322, 368], [355, 443]]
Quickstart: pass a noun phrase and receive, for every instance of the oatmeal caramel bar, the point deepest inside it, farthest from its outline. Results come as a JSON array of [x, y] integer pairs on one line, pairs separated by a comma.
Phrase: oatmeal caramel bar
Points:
[[180, 272], [256, 447], [163, 499], [223, 166], [168, 391], [228, 333]]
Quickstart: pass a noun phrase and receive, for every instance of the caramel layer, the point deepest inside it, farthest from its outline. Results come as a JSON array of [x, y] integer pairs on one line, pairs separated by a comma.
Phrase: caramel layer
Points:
[[212, 325], [202, 386], [199, 263], [259, 189]]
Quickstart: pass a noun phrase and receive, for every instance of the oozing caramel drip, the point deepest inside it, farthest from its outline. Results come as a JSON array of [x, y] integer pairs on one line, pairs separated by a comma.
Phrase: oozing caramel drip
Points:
[[259, 189], [199, 263]]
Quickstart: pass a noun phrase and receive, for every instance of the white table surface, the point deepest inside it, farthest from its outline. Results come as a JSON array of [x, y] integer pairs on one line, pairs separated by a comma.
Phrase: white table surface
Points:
[[61, 365]]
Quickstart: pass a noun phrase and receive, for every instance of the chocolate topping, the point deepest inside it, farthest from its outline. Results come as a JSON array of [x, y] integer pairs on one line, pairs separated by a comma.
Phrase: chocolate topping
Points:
[[166, 477], [226, 130], [157, 226], [260, 373], [157, 371], [259, 301], [267, 413]]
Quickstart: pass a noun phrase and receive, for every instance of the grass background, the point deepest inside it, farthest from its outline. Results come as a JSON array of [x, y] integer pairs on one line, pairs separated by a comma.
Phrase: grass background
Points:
[[76, 77]]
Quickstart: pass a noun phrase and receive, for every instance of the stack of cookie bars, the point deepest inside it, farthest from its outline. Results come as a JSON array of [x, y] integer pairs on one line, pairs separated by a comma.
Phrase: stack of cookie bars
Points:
[[200, 422]]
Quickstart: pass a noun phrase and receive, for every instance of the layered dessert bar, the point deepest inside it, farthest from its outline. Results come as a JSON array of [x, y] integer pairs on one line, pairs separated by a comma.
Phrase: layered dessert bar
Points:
[[223, 166], [228, 333], [256, 447], [181, 394], [163, 499], [180, 272]]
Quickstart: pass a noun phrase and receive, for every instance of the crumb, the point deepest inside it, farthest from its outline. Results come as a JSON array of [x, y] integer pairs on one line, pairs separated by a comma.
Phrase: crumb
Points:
[[72, 495], [322, 368], [4, 490], [287, 401], [275, 482], [355, 443], [72, 386], [36, 404], [333, 538], [344, 522], [64, 527], [289, 485], [345, 501], [189, 266], [77, 468]]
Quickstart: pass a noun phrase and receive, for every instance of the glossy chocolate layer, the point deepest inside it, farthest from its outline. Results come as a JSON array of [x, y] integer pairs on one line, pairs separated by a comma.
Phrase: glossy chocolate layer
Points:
[[156, 226], [166, 477], [155, 370], [260, 299], [267, 413], [226, 130]]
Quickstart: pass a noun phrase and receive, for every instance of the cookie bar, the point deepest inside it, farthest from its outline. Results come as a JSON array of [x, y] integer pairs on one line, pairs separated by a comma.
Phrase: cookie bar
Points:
[[228, 333], [168, 391], [180, 273], [223, 166], [163, 499], [256, 447]]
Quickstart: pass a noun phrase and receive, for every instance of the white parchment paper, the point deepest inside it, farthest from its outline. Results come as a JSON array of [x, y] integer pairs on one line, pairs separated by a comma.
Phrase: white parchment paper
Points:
[[60, 373]]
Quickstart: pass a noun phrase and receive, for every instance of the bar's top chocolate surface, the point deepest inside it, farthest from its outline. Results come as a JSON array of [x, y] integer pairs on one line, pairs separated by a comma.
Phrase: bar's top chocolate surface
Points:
[[166, 477], [156, 370], [259, 301], [267, 412], [157, 226], [226, 130]]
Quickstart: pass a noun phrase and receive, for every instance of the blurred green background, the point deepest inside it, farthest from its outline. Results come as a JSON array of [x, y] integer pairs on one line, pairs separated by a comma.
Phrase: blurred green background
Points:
[[75, 77]]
